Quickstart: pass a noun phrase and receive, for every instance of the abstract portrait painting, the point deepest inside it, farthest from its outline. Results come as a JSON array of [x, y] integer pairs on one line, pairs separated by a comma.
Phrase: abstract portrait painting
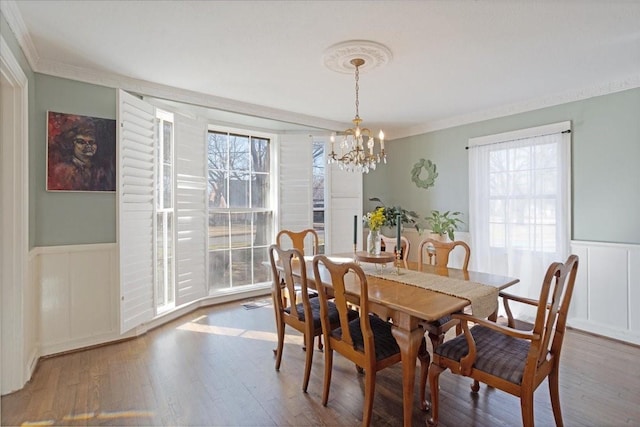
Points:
[[81, 153]]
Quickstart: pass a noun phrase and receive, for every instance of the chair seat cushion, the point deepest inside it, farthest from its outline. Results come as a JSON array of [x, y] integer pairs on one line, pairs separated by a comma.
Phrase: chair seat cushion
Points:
[[334, 317], [497, 354], [385, 343]]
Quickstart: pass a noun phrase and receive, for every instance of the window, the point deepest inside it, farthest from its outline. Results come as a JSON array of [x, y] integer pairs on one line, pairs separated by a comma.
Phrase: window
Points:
[[318, 192], [240, 209], [165, 214], [519, 203]]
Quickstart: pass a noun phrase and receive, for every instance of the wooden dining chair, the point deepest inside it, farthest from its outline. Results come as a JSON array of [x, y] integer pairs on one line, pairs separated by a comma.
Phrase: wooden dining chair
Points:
[[515, 361], [390, 244], [303, 316], [305, 239], [366, 340], [437, 253]]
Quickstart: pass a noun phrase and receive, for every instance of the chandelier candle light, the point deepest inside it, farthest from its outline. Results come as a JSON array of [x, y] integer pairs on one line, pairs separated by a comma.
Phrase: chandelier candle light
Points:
[[353, 155]]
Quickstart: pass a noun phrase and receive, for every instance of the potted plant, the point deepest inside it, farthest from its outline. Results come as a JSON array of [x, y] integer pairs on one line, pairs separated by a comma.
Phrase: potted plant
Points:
[[391, 213], [444, 223]]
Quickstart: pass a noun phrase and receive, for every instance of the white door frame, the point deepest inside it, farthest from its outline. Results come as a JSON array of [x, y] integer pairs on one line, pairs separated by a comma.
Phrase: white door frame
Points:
[[14, 225]]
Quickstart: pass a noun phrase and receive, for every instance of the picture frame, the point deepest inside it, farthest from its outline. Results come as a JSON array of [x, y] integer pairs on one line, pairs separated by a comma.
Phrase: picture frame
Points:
[[81, 153]]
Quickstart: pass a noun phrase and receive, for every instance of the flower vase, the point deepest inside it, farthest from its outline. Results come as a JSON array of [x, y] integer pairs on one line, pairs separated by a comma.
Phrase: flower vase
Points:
[[374, 242]]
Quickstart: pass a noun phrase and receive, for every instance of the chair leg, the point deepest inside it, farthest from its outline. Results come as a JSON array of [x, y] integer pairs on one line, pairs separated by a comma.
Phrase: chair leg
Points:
[[555, 396], [278, 350], [425, 358], [436, 340], [434, 377], [369, 390], [526, 406], [320, 346], [475, 386], [328, 367], [308, 337]]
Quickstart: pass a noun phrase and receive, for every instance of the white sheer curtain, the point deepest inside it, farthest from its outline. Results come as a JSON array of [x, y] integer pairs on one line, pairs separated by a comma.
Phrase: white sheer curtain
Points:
[[519, 189]]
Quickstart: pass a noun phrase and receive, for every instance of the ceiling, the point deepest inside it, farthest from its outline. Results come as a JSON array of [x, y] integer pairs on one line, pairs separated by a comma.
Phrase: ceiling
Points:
[[452, 61]]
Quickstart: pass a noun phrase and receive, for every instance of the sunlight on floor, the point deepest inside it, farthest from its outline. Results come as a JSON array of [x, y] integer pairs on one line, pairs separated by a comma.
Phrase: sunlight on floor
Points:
[[193, 326], [92, 415]]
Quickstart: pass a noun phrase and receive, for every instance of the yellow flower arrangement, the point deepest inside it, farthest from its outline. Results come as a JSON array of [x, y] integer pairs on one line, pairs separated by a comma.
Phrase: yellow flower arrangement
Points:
[[375, 219]]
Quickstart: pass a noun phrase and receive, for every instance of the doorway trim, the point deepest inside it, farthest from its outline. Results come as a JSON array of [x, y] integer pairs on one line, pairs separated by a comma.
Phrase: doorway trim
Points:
[[17, 322]]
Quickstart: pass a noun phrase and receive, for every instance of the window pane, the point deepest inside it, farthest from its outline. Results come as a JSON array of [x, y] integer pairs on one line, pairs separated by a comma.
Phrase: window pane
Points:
[[262, 272], [318, 192], [219, 277], [260, 191], [239, 190], [160, 260], [263, 224], [218, 151], [239, 155], [217, 186], [242, 233], [167, 186], [167, 132], [242, 267], [218, 231], [260, 154]]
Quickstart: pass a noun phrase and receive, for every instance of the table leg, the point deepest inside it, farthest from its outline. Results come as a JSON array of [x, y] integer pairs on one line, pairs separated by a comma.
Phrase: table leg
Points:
[[409, 343]]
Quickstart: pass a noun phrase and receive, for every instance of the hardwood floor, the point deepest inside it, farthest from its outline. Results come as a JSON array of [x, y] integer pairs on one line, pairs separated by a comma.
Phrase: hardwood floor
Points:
[[215, 367]]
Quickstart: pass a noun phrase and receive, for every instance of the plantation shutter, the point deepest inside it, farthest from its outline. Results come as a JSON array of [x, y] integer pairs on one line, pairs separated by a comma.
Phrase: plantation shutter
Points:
[[191, 209], [296, 182], [136, 202], [345, 201]]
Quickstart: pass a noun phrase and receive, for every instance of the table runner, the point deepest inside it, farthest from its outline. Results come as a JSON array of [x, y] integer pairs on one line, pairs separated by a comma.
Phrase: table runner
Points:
[[483, 298]]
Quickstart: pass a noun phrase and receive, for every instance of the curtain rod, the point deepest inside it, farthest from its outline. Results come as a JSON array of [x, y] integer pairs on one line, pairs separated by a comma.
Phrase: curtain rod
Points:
[[518, 139]]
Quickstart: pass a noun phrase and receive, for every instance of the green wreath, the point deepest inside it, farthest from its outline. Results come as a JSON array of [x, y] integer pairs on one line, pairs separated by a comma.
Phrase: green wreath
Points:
[[430, 167]]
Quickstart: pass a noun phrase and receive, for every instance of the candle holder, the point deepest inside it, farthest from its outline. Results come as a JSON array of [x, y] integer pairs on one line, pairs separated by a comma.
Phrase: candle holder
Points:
[[397, 261]]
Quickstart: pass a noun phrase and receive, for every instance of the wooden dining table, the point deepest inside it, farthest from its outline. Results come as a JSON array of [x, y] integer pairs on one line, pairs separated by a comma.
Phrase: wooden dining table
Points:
[[407, 306]]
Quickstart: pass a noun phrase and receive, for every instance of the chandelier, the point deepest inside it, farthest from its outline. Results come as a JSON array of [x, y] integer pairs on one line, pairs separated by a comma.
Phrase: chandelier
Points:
[[357, 144]]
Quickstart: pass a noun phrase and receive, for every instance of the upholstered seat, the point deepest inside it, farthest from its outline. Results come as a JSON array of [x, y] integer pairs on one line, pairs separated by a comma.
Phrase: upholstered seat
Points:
[[513, 360], [385, 344]]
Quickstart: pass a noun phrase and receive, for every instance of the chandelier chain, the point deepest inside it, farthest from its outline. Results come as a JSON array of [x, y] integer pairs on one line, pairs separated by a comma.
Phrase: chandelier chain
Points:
[[357, 92]]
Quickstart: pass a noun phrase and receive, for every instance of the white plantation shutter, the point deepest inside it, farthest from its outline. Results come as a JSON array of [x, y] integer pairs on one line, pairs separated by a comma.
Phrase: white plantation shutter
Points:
[[136, 161], [296, 182], [345, 201], [191, 209]]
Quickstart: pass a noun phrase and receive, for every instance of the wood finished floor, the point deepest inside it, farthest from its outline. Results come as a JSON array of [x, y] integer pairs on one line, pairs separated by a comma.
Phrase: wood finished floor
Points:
[[215, 367]]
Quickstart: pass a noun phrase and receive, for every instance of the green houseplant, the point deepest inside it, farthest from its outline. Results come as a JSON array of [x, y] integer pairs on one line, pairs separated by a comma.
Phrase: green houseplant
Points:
[[390, 213], [444, 223]]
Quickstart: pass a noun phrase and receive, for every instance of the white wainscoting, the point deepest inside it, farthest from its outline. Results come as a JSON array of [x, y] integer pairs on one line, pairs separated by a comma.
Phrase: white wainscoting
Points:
[[606, 299], [78, 296]]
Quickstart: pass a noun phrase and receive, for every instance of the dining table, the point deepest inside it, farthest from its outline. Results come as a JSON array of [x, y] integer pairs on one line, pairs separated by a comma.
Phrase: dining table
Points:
[[407, 305]]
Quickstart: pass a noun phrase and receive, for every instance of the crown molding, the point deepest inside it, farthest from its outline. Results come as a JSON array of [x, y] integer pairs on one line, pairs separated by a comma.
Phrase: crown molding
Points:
[[13, 16], [143, 87], [630, 82]]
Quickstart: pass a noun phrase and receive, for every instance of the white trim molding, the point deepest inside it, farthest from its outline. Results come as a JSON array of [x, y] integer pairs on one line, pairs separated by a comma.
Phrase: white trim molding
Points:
[[606, 299]]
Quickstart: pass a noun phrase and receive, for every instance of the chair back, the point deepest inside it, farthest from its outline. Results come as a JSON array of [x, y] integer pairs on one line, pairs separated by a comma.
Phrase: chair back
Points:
[[390, 244], [284, 279], [553, 306], [299, 240], [333, 284], [437, 253]]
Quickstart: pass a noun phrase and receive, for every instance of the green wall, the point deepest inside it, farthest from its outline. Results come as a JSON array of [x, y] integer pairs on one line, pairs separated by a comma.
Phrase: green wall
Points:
[[605, 170], [66, 218]]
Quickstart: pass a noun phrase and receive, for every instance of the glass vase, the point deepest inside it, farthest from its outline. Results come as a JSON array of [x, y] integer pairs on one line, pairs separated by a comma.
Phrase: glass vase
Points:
[[374, 242]]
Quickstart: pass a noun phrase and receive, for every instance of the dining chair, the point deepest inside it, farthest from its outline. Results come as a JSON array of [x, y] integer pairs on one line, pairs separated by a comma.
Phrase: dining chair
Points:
[[365, 340], [307, 238], [513, 360], [390, 244], [438, 254], [303, 316]]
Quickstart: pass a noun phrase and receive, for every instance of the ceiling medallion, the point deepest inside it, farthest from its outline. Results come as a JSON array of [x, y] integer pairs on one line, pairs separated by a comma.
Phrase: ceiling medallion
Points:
[[339, 57]]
